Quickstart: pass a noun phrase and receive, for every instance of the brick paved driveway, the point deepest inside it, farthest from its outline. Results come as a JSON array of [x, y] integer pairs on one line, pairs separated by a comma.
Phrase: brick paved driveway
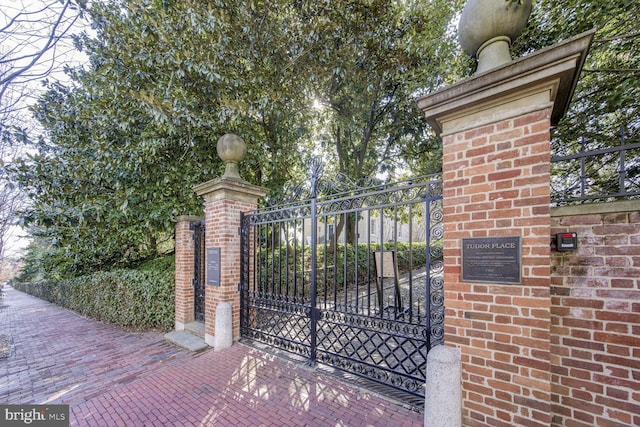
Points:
[[114, 378]]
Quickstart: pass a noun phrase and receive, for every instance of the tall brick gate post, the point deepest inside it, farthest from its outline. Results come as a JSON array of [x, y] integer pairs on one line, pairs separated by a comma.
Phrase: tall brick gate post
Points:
[[495, 129], [225, 198], [184, 300]]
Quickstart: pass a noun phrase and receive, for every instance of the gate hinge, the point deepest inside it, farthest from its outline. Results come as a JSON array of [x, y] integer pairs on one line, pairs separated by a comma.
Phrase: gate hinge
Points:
[[194, 282], [239, 231], [239, 286]]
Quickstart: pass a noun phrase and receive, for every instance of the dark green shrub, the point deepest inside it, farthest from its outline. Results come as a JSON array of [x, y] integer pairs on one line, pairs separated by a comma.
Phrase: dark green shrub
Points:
[[139, 299]]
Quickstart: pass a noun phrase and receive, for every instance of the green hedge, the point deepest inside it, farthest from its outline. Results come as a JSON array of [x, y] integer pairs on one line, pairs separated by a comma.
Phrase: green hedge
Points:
[[138, 299]]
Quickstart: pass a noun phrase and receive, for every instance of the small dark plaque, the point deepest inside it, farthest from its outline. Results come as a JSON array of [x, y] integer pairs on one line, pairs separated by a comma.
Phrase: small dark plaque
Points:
[[492, 260], [213, 266]]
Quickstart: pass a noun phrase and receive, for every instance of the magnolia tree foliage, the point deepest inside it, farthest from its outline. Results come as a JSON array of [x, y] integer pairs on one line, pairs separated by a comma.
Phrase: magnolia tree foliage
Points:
[[371, 60], [126, 141], [135, 130]]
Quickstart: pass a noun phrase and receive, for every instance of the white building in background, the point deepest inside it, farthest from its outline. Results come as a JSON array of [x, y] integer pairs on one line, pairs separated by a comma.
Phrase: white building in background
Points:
[[371, 227]]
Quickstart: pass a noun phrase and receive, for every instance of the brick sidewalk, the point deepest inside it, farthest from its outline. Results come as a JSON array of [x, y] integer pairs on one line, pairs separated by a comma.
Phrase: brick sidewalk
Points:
[[114, 378]]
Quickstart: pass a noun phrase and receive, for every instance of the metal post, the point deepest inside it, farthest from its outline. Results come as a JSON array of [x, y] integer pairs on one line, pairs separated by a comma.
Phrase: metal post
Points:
[[583, 173], [622, 169], [314, 314], [428, 269]]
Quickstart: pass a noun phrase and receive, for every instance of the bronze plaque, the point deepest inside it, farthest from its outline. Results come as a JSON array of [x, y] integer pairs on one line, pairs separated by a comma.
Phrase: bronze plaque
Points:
[[492, 260], [213, 266]]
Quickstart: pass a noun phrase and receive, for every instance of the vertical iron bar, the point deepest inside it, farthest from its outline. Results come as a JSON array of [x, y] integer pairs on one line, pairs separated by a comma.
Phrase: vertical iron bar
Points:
[[356, 269], [256, 257], [334, 242], [244, 272], [264, 263], [279, 241], [256, 243], [396, 296], [583, 172], [381, 240], [196, 270], [428, 267], [295, 258], [250, 236], [324, 260], [286, 259], [273, 258], [344, 260], [622, 170], [304, 240], [314, 263], [411, 262], [369, 252]]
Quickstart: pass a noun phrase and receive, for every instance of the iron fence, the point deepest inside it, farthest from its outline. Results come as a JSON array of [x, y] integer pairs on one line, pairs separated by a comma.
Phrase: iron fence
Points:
[[198, 281], [350, 279], [589, 171]]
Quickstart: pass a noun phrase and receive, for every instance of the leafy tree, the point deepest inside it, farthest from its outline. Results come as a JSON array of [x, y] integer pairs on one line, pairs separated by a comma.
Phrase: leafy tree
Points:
[[368, 61], [29, 35], [11, 200], [137, 129], [606, 101], [372, 59]]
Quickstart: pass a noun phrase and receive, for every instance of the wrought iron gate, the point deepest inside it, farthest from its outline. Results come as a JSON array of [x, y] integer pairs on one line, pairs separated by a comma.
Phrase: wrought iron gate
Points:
[[350, 279], [198, 269]]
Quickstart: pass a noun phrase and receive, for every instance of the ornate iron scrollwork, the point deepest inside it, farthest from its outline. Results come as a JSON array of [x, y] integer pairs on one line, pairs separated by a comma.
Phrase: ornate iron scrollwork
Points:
[[345, 322]]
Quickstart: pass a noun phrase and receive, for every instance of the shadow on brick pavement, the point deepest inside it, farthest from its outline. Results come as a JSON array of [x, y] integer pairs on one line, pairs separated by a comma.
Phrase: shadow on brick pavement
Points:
[[110, 377]]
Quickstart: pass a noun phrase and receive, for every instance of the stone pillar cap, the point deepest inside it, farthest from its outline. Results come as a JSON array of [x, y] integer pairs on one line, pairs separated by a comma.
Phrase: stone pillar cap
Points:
[[559, 65], [232, 150]]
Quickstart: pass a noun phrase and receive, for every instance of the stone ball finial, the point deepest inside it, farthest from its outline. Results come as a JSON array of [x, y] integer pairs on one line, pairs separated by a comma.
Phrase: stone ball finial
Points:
[[232, 150], [488, 27]]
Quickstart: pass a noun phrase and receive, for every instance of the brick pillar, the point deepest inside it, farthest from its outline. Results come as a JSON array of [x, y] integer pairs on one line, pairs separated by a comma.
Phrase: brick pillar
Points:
[[496, 154], [184, 310], [225, 199]]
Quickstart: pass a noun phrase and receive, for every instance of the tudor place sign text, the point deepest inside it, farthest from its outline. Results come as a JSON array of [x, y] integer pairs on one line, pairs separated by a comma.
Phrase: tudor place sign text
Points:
[[492, 260]]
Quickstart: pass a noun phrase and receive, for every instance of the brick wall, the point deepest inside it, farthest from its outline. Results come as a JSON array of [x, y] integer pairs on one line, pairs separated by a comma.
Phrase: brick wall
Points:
[[184, 311], [223, 223], [225, 199], [595, 317], [496, 183]]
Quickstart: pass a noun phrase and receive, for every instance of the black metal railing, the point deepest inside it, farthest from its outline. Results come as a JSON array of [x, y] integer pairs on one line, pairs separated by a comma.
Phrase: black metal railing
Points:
[[588, 170], [351, 279], [198, 281]]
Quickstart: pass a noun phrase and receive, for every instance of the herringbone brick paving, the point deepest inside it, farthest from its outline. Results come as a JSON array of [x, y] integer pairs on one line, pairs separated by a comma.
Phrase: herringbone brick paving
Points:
[[110, 377]]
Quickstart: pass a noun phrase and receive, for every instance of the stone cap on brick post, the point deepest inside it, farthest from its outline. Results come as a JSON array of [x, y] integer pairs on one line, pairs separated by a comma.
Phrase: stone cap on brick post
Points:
[[550, 74], [488, 27], [232, 150], [226, 198], [496, 183]]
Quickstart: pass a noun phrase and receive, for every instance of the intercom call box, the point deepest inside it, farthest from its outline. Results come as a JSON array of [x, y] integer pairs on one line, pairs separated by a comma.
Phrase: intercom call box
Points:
[[566, 241]]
